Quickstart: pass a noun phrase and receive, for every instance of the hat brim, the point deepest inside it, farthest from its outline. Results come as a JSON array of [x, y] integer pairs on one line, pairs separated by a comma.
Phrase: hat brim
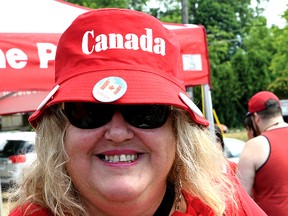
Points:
[[142, 88]]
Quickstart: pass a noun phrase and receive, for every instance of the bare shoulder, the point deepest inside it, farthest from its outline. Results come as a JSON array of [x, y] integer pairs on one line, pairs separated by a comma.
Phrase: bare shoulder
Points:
[[257, 142], [256, 151]]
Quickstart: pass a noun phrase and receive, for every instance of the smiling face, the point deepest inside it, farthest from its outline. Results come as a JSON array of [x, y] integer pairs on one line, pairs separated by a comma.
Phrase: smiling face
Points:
[[120, 164]]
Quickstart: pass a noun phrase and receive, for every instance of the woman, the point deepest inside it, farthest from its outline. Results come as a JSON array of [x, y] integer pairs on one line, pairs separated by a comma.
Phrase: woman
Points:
[[118, 135]]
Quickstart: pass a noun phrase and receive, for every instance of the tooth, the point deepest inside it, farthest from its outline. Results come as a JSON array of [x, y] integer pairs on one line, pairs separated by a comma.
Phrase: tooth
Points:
[[116, 158], [122, 158]]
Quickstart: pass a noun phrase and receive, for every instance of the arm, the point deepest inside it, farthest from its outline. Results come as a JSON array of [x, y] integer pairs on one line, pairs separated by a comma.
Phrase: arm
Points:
[[247, 165]]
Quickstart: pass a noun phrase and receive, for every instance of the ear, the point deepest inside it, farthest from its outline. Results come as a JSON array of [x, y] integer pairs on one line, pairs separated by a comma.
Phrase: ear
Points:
[[256, 118]]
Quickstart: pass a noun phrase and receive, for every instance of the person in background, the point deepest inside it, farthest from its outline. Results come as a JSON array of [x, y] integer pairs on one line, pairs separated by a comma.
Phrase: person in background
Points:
[[118, 134], [263, 164], [219, 137], [220, 141], [248, 124]]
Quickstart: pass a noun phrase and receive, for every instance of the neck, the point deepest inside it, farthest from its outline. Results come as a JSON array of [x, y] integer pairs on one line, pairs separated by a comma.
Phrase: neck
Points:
[[272, 125], [167, 202], [139, 205]]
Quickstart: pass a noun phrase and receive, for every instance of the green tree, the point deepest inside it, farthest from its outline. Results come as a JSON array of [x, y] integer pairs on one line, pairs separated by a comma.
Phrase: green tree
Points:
[[252, 62], [279, 64], [166, 11], [240, 49], [131, 4], [224, 22], [280, 87]]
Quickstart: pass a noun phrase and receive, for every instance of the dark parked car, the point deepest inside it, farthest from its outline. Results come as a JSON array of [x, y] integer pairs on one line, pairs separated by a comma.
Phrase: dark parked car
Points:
[[16, 153]]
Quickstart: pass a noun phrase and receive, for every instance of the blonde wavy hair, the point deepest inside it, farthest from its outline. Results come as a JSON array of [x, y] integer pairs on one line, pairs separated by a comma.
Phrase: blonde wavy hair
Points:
[[199, 166]]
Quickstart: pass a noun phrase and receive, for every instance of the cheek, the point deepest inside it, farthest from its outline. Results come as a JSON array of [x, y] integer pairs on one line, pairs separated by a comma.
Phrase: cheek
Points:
[[79, 145], [166, 145], [170, 152], [72, 140], [78, 140], [171, 144]]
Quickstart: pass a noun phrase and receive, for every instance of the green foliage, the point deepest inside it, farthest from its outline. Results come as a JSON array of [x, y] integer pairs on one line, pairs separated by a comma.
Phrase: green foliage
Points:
[[224, 22], [241, 49], [251, 62], [279, 64], [167, 11], [280, 87], [131, 4], [226, 104]]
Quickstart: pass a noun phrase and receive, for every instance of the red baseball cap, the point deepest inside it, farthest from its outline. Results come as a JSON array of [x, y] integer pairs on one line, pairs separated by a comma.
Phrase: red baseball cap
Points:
[[258, 101], [118, 56]]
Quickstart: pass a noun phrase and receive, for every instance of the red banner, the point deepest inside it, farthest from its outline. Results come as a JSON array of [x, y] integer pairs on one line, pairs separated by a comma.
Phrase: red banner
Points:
[[27, 61]]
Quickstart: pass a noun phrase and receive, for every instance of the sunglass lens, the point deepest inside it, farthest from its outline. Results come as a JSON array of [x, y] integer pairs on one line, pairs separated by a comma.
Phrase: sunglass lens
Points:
[[88, 115], [146, 116]]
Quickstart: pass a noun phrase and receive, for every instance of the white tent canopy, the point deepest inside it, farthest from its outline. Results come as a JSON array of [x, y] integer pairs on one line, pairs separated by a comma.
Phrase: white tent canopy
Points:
[[37, 16]]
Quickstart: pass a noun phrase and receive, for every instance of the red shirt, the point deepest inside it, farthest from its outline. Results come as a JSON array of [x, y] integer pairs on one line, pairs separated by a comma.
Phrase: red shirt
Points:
[[34, 210], [246, 205], [195, 207], [270, 189]]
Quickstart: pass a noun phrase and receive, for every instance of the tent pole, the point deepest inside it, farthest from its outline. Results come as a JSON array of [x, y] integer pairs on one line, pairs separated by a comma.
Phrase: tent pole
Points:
[[209, 108]]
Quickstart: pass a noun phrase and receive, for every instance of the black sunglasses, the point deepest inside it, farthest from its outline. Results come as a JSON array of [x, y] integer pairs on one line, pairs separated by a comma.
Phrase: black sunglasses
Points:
[[87, 115]]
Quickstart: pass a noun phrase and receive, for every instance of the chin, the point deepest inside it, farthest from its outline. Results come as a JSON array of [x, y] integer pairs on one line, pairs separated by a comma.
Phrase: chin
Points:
[[122, 194], [123, 189]]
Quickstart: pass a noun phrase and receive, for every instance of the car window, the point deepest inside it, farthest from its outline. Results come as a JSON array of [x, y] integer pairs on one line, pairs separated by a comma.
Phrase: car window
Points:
[[2, 144], [28, 148], [16, 147]]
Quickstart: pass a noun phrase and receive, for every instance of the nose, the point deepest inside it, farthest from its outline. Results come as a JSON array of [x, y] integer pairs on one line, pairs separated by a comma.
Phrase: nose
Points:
[[118, 129]]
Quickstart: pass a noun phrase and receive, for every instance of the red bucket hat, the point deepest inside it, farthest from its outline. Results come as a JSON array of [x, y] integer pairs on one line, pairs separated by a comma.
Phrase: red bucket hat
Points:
[[258, 101], [118, 56]]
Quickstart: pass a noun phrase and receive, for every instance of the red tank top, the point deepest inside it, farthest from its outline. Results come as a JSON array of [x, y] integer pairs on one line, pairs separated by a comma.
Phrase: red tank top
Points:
[[271, 179]]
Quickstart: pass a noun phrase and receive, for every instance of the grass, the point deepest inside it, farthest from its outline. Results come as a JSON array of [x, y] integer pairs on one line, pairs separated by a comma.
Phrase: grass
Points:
[[238, 134]]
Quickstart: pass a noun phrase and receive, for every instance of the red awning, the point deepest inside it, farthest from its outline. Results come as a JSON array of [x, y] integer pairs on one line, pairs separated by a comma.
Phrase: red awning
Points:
[[20, 102]]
